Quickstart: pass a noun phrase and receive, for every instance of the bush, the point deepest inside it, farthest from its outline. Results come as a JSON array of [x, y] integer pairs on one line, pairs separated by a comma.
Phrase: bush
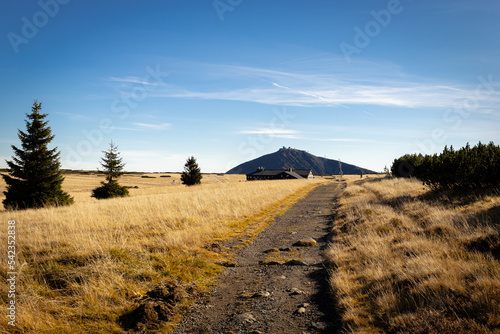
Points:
[[109, 190], [476, 167], [406, 166]]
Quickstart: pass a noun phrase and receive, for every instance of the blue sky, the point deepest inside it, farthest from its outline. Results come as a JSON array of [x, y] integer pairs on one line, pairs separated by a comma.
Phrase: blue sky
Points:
[[230, 80]]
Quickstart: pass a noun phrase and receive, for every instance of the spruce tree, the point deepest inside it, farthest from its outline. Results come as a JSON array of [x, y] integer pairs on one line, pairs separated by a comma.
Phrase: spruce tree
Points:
[[35, 178], [192, 173], [113, 168]]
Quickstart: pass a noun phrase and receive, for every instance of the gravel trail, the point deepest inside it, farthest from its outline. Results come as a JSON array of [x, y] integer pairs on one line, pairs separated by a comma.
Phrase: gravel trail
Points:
[[279, 283]]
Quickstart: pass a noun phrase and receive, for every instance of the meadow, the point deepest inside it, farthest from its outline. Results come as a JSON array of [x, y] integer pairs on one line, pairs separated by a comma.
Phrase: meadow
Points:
[[83, 266], [406, 259]]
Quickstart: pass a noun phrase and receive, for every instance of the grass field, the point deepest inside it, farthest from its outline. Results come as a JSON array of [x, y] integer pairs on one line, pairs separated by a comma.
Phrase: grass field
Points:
[[409, 260], [81, 267]]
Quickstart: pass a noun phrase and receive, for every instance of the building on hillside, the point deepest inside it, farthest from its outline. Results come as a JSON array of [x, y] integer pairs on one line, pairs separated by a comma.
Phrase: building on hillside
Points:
[[280, 174]]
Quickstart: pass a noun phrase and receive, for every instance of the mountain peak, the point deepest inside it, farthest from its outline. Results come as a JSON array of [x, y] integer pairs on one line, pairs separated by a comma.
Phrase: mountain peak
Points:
[[287, 157]]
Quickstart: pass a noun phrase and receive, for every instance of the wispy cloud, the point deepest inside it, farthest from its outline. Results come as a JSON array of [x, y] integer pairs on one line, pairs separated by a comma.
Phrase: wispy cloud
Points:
[[345, 140], [147, 126], [121, 128], [134, 80], [268, 131], [411, 96], [275, 133], [309, 94], [325, 82]]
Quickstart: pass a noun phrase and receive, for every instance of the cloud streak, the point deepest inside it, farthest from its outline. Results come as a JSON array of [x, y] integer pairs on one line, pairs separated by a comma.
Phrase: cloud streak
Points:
[[268, 131], [133, 80], [156, 127], [315, 83], [274, 133], [411, 96]]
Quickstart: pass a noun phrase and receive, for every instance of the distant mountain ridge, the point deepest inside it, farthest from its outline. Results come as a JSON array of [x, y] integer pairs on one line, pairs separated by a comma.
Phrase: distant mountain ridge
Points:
[[293, 158]]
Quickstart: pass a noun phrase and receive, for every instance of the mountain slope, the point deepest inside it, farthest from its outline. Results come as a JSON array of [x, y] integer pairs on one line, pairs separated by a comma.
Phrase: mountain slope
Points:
[[292, 158]]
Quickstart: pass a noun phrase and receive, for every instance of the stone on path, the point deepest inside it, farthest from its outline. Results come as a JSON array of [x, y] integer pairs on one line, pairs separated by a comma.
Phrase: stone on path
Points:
[[295, 263], [295, 291], [262, 294], [307, 242], [245, 317], [301, 310]]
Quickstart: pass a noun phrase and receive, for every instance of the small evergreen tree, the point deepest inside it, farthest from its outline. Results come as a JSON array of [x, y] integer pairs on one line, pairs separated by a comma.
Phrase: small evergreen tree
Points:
[[192, 173], [113, 169], [35, 178]]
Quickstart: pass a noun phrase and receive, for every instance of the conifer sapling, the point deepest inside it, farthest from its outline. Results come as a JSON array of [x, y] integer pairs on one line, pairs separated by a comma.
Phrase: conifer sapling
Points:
[[35, 179], [192, 173], [113, 169]]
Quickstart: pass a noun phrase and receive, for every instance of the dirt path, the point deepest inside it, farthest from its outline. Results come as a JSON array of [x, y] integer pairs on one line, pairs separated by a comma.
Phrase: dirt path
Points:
[[284, 297]]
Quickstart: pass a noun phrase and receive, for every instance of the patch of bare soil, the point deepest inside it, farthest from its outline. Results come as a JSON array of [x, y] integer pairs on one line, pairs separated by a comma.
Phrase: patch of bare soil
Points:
[[280, 282], [156, 307]]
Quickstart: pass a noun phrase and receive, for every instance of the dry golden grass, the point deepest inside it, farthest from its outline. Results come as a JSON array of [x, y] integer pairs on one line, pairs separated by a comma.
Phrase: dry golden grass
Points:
[[408, 260], [80, 186], [81, 267]]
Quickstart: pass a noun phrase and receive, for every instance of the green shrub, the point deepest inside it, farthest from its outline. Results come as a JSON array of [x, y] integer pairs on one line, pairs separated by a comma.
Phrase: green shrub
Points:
[[476, 167], [109, 190], [406, 166]]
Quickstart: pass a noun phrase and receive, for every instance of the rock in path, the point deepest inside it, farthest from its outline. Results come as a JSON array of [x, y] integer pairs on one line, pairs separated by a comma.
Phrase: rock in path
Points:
[[262, 294], [301, 310], [245, 318], [295, 263], [307, 242], [295, 291]]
